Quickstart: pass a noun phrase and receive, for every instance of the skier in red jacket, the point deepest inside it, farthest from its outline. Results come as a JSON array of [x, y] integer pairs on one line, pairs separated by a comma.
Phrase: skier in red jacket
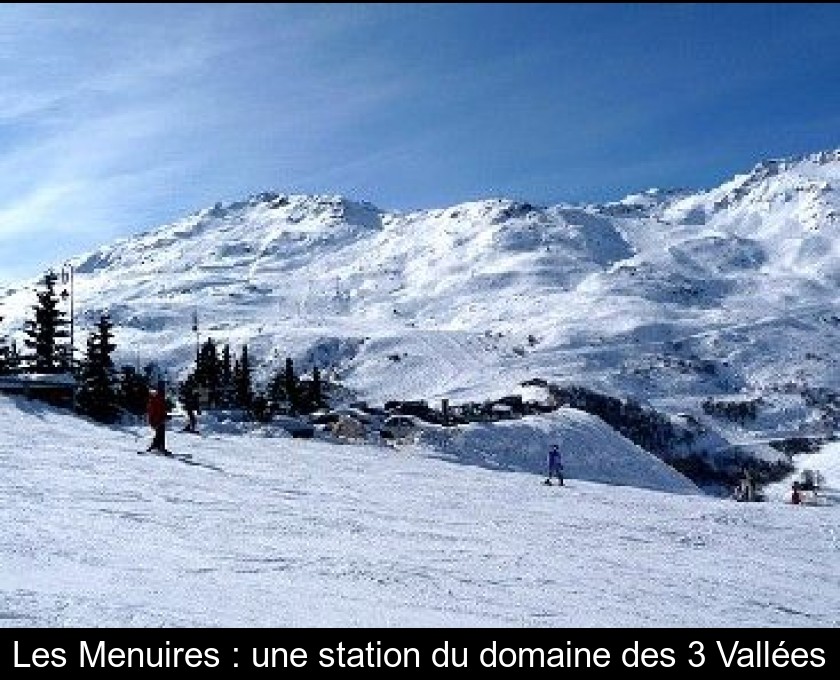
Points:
[[156, 412]]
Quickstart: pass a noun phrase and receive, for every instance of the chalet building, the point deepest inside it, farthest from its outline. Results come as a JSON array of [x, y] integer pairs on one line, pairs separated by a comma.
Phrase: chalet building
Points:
[[57, 389]]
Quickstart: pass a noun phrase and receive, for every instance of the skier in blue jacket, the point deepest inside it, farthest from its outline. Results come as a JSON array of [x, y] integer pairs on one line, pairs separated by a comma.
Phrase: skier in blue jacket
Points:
[[555, 465]]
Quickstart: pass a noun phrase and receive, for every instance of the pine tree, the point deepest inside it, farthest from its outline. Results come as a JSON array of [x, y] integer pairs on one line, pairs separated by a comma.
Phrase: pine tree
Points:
[[261, 409], [97, 395], [242, 380], [133, 390], [290, 385], [226, 378], [317, 397], [276, 392], [45, 332], [208, 371], [6, 351], [13, 358], [4, 356], [186, 387]]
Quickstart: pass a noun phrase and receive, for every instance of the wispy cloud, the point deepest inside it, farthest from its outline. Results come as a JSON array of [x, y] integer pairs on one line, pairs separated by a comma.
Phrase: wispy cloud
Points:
[[104, 109], [85, 145]]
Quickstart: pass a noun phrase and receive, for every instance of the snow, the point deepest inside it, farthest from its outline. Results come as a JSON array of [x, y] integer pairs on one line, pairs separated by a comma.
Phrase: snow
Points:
[[591, 450], [665, 296], [285, 532], [670, 297]]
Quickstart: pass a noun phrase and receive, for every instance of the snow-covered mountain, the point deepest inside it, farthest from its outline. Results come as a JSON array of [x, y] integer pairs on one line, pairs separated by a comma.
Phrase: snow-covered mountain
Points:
[[691, 301], [671, 296]]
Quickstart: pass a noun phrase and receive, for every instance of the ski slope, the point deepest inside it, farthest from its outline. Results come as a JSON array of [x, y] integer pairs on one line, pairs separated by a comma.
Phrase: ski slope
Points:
[[272, 531]]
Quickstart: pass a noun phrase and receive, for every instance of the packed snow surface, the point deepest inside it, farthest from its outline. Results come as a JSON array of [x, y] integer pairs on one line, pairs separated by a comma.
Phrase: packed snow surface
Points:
[[268, 531]]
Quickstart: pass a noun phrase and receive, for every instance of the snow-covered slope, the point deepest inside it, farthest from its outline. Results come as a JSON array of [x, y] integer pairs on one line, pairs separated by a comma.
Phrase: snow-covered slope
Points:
[[282, 532], [671, 296], [591, 450]]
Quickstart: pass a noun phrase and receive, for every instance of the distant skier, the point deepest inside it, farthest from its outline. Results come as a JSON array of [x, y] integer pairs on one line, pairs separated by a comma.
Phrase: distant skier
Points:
[[555, 465], [747, 487], [795, 495], [193, 407], [156, 412]]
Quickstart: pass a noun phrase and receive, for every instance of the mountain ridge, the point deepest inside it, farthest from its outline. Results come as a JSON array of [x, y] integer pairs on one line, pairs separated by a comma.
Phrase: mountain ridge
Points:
[[669, 296]]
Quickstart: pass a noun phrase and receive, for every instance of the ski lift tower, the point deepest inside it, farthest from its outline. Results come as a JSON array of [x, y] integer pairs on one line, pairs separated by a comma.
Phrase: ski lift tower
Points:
[[195, 330], [67, 282]]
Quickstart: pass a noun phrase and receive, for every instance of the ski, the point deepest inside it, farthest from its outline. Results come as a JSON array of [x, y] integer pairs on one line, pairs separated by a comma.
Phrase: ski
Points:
[[166, 454]]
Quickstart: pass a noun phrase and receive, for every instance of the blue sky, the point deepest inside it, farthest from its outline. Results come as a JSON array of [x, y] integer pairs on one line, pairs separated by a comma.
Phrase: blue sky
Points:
[[117, 118]]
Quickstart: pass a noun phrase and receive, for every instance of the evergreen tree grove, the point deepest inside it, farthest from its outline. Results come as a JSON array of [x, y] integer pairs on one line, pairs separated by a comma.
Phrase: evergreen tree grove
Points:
[[242, 380]]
